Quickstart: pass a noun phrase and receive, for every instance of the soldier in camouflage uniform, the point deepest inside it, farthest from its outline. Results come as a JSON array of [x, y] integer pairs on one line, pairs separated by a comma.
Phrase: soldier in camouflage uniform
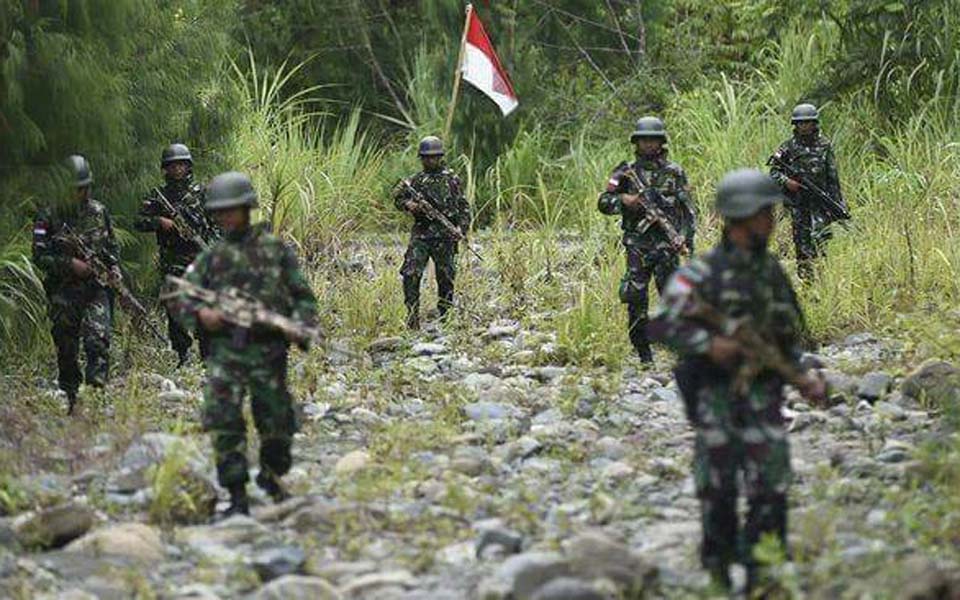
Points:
[[177, 251], [810, 155], [649, 251], [252, 260], [736, 432], [429, 240], [78, 306]]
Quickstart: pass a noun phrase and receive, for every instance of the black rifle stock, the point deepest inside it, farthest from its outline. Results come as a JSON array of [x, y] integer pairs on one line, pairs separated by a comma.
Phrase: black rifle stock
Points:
[[657, 216], [834, 208], [184, 228], [434, 214]]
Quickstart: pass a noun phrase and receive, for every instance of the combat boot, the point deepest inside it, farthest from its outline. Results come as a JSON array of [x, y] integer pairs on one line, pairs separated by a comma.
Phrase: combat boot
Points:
[[183, 356], [272, 486], [71, 402], [239, 503], [645, 354]]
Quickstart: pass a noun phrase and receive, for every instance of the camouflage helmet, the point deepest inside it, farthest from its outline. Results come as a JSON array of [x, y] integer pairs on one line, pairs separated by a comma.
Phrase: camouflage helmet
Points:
[[745, 192], [648, 127], [174, 153], [229, 190], [804, 112], [82, 176], [430, 146]]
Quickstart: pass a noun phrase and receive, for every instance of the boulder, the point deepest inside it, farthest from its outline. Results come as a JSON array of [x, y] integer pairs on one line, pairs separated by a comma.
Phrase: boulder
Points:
[[298, 587], [594, 554], [936, 382], [568, 588], [874, 386], [133, 540], [277, 562], [54, 527], [150, 450], [521, 575]]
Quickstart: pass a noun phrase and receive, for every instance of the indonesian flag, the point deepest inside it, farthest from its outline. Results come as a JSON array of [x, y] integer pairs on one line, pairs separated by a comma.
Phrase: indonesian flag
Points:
[[482, 68]]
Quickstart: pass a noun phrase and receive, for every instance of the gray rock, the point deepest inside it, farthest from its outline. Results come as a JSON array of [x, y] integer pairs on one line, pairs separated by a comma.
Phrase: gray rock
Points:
[[665, 395], [523, 574], [924, 579], [423, 365], [548, 374], [548, 417], [497, 332], [480, 381], [936, 382], [567, 588], [594, 554], [54, 527], [198, 591], [277, 562], [373, 582], [874, 386], [508, 540], [428, 349], [133, 540], [298, 587], [470, 460], [385, 344], [489, 411], [611, 448], [895, 452], [152, 449]]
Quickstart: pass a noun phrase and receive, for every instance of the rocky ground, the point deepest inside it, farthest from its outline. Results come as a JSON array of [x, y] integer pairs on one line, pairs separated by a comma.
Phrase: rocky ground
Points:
[[438, 472]]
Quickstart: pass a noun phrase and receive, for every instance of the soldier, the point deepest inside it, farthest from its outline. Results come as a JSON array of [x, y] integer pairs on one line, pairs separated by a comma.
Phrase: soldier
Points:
[[79, 307], [808, 155], [441, 187], [177, 248], [650, 250], [252, 260], [737, 429]]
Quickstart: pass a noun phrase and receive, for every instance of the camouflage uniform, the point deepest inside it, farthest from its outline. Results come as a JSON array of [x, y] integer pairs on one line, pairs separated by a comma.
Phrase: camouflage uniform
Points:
[[176, 253], [734, 433], [429, 240], [250, 360], [80, 309], [649, 253], [812, 157]]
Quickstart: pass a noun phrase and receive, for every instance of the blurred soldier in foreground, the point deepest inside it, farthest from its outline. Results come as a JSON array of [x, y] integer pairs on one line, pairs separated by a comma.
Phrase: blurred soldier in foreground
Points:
[[806, 170], [183, 228], [734, 319], [78, 302], [653, 200], [441, 215], [250, 262]]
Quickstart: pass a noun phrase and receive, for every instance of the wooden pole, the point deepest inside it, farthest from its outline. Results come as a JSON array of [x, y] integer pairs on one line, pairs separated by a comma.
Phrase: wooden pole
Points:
[[458, 76]]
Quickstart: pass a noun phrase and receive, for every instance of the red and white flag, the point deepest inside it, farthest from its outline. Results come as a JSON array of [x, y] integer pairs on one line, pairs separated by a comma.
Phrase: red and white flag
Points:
[[482, 68]]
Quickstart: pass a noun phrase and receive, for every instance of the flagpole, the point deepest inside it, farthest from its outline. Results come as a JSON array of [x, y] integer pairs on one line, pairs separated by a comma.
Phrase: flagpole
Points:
[[459, 75]]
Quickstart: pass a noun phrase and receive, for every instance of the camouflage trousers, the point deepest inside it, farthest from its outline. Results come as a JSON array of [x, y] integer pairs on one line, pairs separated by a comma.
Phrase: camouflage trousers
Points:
[[180, 338], [419, 252], [260, 370], [81, 317], [642, 265], [742, 437], [811, 232]]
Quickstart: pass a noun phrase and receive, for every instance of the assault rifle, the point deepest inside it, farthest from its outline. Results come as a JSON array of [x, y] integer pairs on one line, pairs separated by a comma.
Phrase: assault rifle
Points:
[[760, 353], [434, 214], [243, 311], [836, 210], [184, 228], [110, 278], [656, 215]]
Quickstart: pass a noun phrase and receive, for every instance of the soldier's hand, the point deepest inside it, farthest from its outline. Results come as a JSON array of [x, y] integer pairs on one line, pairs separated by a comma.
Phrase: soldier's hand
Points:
[[166, 224], [814, 388], [412, 206], [80, 268], [793, 186], [630, 200], [210, 318], [724, 350]]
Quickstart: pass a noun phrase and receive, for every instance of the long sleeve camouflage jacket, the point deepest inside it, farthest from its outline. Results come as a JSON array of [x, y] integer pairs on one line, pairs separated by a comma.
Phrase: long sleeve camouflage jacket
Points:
[[444, 190], [674, 198], [737, 283], [53, 253], [261, 266], [175, 251], [812, 157]]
